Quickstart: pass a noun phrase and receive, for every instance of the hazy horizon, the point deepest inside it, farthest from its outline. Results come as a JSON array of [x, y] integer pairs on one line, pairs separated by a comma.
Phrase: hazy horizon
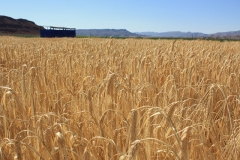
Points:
[[135, 16]]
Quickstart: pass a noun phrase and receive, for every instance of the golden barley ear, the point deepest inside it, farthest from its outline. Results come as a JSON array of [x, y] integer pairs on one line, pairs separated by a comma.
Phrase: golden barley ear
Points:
[[132, 152], [1, 154], [86, 155], [48, 140], [62, 146], [18, 149], [133, 132], [185, 140]]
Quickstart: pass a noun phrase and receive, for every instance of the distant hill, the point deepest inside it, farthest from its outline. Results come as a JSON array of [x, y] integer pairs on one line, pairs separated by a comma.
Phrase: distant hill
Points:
[[11, 26], [105, 33], [175, 34], [226, 35], [178, 34]]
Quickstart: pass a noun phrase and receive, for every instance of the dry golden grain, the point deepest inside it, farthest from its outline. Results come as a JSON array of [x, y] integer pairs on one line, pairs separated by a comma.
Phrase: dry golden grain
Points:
[[122, 90], [133, 132], [18, 149], [48, 140], [185, 141]]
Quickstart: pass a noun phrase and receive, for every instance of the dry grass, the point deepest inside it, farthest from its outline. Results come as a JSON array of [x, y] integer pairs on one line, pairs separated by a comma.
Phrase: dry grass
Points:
[[119, 99]]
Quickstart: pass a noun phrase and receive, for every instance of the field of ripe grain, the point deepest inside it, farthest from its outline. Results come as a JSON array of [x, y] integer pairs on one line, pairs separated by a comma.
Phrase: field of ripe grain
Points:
[[127, 99]]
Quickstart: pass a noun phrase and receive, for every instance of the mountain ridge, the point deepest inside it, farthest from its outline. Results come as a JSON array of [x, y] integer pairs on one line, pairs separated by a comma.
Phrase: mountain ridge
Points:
[[105, 33], [179, 34], [9, 26]]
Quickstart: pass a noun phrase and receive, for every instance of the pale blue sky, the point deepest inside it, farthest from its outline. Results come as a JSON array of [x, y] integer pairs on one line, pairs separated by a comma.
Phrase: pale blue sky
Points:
[[208, 16]]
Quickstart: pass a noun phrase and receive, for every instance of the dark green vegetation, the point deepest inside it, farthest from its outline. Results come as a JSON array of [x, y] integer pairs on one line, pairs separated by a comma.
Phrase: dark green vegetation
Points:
[[157, 38]]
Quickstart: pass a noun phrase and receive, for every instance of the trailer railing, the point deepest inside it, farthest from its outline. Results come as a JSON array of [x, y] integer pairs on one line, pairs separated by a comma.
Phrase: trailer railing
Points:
[[50, 32]]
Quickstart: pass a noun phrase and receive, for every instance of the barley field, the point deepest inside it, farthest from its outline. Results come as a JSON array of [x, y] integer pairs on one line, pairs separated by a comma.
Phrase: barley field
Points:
[[119, 99]]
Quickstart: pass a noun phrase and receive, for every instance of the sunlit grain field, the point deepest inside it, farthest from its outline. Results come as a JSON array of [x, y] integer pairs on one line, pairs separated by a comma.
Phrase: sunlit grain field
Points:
[[123, 99]]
